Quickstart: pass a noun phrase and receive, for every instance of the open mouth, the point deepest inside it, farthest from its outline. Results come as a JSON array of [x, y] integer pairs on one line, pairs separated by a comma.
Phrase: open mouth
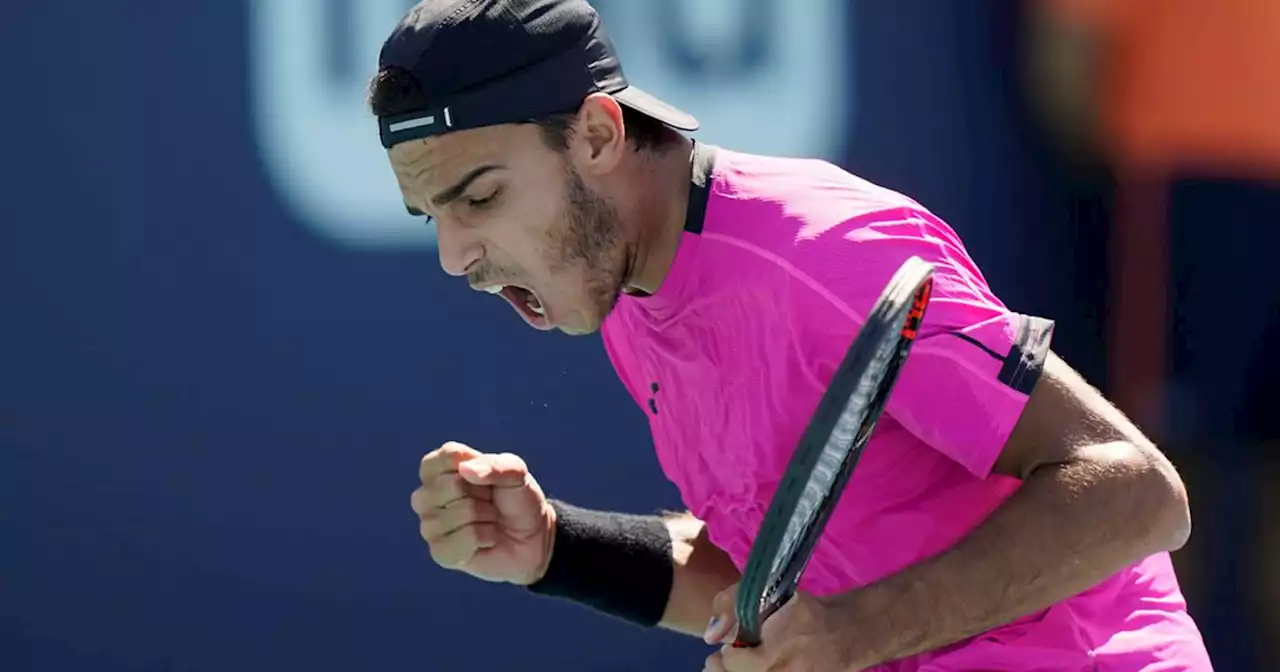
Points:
[[525, 302]]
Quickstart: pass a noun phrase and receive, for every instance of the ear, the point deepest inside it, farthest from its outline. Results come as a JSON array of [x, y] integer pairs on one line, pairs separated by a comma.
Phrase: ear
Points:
[[601, 138]]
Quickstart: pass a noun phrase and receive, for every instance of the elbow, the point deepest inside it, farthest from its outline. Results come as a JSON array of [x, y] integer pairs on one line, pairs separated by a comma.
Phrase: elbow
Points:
[[1169, 524], [1178, 511]]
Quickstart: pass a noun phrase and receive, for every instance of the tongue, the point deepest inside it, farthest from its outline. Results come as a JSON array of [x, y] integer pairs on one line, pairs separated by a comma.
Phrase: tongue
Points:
[[524, 302]]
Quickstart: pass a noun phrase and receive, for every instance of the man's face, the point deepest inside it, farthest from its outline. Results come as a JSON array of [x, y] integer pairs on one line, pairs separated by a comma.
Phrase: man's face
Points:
[[515, 218]]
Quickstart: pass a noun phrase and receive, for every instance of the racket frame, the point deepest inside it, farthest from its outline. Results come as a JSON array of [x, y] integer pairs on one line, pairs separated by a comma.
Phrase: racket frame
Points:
[[897, 313]]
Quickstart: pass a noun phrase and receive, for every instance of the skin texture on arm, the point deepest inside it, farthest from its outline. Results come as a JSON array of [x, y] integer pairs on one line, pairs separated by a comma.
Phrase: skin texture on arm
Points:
[[1097, 496], [702, 570]]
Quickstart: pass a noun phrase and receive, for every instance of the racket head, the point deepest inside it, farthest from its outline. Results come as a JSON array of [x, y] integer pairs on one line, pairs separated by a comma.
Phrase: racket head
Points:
[[829, 449]]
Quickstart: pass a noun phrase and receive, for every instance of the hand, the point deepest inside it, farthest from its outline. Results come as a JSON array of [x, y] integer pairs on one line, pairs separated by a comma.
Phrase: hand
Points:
[[484, 514], [805, 635]]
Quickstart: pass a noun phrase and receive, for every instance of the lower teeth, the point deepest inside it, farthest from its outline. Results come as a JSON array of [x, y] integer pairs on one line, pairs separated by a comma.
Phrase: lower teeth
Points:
[[535, 307]]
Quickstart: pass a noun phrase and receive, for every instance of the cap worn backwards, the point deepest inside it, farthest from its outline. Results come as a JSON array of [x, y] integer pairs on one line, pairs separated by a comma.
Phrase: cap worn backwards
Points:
[[487, 62]]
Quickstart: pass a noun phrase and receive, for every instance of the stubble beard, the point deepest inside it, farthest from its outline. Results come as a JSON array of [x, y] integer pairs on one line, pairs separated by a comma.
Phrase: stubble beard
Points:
[[592, 242]]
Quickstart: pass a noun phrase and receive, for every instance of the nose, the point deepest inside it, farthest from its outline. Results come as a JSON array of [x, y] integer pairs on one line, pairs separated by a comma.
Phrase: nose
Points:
[[459, 248]]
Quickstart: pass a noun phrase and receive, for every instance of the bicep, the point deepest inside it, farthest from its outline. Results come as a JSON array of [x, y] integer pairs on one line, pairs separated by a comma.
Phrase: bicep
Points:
[[1064, 417]]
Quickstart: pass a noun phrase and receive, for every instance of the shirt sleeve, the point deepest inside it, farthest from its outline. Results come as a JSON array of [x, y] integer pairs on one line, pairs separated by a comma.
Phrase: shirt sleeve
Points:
[[973, 367]]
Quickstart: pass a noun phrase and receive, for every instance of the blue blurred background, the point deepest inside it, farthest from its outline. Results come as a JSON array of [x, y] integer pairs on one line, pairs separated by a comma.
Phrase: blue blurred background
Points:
[[224, 347]]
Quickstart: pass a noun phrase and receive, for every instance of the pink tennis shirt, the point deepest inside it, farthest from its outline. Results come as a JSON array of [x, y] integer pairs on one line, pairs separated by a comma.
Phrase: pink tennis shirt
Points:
[[780, 261]]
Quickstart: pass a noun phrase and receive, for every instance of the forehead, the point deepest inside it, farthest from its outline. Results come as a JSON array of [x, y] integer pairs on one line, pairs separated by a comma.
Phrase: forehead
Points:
[[424, 167]]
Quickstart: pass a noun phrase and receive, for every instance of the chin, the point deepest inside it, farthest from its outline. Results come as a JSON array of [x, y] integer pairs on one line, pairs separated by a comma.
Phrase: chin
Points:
[[577, 329], [580, 325]]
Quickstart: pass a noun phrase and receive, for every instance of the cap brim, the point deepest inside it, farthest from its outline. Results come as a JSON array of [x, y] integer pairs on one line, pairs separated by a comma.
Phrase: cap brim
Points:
[[649, 105]]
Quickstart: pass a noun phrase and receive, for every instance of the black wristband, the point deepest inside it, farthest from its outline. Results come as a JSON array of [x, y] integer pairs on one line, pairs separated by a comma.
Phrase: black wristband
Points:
[[619, 564]]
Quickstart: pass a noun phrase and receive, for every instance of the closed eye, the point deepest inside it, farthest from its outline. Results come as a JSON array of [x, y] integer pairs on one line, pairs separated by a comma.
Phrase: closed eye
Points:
[[477, 203]]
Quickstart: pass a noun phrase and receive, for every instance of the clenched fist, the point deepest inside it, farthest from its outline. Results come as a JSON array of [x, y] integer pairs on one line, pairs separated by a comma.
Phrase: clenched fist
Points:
[[484, 514]]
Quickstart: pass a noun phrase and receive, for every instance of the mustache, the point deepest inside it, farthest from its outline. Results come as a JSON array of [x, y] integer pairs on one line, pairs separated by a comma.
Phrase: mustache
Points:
[[484, 275]]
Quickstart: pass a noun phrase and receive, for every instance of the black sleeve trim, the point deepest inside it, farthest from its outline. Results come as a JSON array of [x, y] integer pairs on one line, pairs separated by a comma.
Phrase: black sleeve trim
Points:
[[704, 160], [1025, 362]]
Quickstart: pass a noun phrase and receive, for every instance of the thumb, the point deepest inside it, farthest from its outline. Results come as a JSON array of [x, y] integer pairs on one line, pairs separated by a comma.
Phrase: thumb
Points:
[[723, 619], [502, 470]]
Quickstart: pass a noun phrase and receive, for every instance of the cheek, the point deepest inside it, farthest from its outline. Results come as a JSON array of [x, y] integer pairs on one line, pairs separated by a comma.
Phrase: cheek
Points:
[[539, 223], [519, 246], [554, 240]]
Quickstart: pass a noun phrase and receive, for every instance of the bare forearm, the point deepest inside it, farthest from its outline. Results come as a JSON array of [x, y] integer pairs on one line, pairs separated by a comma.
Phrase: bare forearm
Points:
[[1068, 528], [701, 571]]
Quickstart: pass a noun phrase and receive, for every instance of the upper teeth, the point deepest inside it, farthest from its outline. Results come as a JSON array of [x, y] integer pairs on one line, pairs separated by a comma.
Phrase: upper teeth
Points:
[[495, 289]]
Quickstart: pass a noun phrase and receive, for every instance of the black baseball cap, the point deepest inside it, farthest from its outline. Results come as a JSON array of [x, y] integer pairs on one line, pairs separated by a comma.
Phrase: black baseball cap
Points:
[[487, 62]]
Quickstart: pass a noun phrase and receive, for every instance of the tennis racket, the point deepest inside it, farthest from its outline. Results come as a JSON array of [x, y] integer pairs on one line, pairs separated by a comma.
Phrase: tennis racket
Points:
[[830, 448]]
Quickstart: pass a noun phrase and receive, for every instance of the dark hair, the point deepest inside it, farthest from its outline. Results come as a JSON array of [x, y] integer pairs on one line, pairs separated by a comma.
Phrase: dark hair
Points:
[[396, 91]]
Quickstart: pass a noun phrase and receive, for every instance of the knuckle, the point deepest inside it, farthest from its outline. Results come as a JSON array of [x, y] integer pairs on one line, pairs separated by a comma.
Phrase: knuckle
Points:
[[443, 459], [428, 467], [440, 557], [420, 501], [448, 552], [455, 449], [429, 528]]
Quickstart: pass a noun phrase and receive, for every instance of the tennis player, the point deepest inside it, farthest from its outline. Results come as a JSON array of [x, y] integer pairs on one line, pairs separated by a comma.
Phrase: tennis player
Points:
[[1004, 516]]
